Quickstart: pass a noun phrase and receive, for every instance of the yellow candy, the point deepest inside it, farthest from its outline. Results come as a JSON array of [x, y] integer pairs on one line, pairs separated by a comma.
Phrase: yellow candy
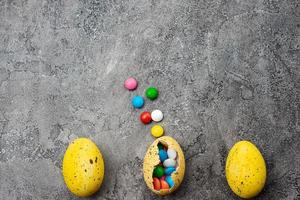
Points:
[[157, 131]]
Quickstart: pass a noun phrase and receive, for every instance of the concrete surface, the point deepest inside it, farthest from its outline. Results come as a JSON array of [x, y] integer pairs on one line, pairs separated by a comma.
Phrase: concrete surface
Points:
[[226, 71]]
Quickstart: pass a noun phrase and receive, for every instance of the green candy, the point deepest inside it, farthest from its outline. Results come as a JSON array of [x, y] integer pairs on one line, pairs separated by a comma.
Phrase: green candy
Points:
[[160, 146], [158, 171], [151, 93]]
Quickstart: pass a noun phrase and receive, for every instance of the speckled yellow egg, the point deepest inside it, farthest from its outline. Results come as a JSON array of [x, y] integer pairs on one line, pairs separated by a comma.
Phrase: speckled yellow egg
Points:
[[245, 170], [164, 166], [83, 167]]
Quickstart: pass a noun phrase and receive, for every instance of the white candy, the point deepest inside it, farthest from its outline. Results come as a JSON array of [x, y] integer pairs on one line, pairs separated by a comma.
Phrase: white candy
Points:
[[172, 153], [157, 115], [169, 163]]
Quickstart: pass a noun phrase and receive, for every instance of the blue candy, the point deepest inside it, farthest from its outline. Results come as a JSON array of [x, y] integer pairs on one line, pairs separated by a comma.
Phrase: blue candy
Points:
[[170, 181], [162, 155], [169, 170], [137, 101]]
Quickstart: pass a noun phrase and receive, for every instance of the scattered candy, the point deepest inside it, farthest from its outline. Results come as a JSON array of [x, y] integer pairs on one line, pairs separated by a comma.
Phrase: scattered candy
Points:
[[158, 171], [151, 93], [131, 84], [164, 184], [145, 117], [156, 183], [137, 101], [157, 131], [157, 115], [169, 170], [162, 155], [162, 172], [169, 181], [172, 153], [169, 163]]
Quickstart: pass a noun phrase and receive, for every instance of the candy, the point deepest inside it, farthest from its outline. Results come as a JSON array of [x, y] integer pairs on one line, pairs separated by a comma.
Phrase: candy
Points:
[[157, 115], [172, 153], [162, 155], [164, 184], [169, 163], [169, 166], [156, 183], [158, 171], [169, 170], [145, 117], [130, 84], [151, 93], [137, 101], [160, 146], [169, 181], [157, 131]]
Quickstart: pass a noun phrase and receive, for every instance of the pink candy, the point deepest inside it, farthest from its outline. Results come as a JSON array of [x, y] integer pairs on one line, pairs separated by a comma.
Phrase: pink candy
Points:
[[131, 84]]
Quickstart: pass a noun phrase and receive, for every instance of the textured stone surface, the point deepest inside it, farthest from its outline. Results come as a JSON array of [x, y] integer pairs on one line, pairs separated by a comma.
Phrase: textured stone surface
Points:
[[226, 70]]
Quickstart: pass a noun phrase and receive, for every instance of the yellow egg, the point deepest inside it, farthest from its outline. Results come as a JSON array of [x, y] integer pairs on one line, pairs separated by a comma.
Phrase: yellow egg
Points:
[[151, 160], [245, 170], [83, 167]]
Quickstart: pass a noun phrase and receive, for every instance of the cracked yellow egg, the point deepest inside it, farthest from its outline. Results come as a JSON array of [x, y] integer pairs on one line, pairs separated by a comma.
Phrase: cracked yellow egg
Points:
[[245, 170], [83, 167], [164, 166]]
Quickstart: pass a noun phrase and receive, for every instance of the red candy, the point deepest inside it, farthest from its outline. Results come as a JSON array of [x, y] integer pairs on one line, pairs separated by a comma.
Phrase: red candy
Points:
[[145, 117], [164, 184], [163, 178], [156, 183]]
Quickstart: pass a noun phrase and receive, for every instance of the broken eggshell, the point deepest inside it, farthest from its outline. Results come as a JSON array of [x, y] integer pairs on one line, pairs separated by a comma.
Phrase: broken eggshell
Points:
[[151, 160]]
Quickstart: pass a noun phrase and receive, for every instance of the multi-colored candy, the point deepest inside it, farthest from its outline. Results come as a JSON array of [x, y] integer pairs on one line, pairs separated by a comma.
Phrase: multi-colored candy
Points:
[[164, 185], [137, 101], [162, 155], [157, 115], [173, 176], [145, 117], [160, 146], [131, 83], [172, 153], [157, 131], [169, 163], [158, 171], [169, 181], [169, 170], [156, 183], [151, 93], [162, 172]]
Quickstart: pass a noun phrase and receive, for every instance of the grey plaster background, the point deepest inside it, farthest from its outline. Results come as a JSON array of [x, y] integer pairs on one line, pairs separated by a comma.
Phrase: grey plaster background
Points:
[[226, 71]]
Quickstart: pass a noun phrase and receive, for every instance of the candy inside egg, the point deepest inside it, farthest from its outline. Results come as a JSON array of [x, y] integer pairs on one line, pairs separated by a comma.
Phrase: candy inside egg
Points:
[[164, 179], [162, 172]]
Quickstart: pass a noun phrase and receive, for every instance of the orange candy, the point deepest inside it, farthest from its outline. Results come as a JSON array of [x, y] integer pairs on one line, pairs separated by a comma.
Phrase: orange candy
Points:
[[156, 183], [164, 184]]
